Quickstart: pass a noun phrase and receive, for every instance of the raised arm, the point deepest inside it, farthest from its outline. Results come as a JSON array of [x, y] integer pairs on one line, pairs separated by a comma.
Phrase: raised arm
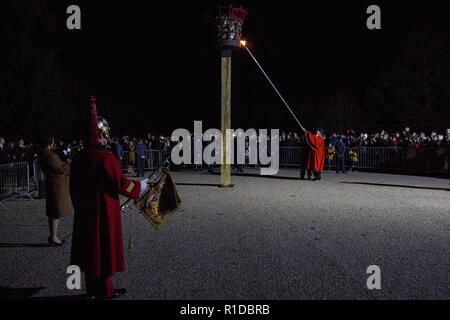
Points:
[[56, 167], [309, 141]]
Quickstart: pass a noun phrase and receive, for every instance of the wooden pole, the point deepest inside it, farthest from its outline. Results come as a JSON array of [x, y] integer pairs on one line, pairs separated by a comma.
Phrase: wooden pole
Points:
[[225, 173]]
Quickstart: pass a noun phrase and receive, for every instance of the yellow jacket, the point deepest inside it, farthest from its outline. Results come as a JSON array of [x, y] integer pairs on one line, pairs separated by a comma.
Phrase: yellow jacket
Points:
[[132, 154], [354, 155], [331, 151]]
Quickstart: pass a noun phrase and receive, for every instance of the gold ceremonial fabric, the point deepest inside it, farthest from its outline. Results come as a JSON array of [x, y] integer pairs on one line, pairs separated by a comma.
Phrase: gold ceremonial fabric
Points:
[[160, 200]]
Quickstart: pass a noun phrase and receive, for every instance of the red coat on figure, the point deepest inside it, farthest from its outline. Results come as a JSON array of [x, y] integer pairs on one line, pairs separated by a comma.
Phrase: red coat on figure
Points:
[[95, 184], [96, 180], [316, 157]]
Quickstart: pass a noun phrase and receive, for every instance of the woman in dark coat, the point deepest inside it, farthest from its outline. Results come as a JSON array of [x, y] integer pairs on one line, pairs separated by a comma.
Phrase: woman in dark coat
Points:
[[56, 188]]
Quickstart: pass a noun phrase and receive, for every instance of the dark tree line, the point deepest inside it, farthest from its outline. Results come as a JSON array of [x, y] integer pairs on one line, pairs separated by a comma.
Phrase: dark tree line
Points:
[[41, 91], [31, 89], [413, 89]]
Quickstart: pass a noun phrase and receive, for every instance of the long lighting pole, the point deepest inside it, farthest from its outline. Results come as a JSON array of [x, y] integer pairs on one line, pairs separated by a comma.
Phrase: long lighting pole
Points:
[[225, 169], [229, 22], [243, 44]]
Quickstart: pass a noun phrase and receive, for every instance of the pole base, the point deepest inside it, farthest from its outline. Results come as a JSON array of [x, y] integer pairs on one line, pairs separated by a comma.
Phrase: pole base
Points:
[[226, 186]]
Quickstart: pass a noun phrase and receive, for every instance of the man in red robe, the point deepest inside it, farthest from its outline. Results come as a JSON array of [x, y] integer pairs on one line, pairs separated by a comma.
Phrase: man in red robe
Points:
[[316, 156], [96, 180]]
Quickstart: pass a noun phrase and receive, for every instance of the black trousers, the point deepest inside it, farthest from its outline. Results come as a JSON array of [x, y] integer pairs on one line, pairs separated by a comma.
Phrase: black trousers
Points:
[[340, 164], [140, 163], [304, 164], [99, 287]]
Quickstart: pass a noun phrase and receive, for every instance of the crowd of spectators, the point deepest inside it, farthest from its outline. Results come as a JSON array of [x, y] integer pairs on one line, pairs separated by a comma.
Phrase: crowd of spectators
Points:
[[404, 138], [16, 151], [135, 145], [11, 151], [137, 150]]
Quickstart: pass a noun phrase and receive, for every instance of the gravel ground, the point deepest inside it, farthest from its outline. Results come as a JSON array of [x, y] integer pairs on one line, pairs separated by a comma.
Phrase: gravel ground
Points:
[[264, 238]]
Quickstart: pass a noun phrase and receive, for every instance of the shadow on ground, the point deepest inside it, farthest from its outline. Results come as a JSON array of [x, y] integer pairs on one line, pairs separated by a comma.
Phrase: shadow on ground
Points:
[[18, 293], [397, 186], [257, 175], [198, 184], [25, 245], [27, 293]]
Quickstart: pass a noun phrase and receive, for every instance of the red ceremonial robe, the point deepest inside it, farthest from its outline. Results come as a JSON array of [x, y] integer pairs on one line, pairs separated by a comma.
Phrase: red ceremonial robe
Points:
[[96, 180], [317, 155]]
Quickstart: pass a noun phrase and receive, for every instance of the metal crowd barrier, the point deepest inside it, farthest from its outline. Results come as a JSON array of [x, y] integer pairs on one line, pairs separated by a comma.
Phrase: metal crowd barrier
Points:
[[36, 171], [14, 182], [428, 160], [38, 175], [153, 159], [377, 157], [290, 156], [425, 160], [370, 158]]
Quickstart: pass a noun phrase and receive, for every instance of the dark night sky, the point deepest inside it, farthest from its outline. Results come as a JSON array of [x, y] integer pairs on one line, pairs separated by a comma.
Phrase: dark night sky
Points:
[[153, 65]]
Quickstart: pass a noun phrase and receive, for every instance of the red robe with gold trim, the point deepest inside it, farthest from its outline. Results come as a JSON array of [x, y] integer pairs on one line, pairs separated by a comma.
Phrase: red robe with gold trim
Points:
[[96, 180], [316, 157]]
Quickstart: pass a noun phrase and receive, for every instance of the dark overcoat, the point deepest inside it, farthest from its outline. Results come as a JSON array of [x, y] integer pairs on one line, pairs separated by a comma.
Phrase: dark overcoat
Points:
[[56, 184]]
